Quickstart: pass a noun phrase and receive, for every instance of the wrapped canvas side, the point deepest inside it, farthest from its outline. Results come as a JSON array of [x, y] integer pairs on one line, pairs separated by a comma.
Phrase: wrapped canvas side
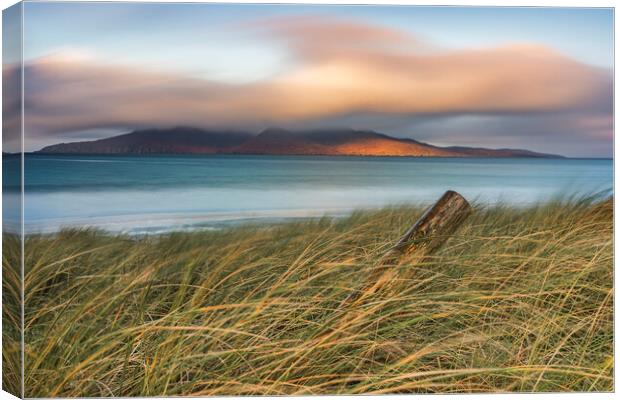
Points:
[[12, 202]]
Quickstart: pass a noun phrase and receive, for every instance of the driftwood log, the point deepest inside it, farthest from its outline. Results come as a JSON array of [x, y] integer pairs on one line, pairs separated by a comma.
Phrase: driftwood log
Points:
[[430, 231]]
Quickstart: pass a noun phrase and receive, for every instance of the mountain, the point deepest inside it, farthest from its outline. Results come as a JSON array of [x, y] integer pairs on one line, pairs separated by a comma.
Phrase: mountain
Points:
[[273, 141], [337, 142], [179, 140]]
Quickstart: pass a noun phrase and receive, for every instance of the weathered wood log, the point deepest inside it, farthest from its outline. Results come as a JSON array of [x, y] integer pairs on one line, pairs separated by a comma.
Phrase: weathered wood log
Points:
[[433, 228], [430, 231]]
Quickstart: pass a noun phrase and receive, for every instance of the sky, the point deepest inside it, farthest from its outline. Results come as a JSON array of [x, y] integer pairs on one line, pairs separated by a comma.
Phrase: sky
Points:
[[534, 78]]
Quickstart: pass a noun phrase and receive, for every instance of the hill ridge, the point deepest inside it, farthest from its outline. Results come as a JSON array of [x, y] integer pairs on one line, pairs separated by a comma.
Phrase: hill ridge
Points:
[[274, 141]]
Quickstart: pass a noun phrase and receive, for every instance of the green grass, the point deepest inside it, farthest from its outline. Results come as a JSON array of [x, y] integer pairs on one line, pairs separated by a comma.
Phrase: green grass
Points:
[[516, 300]]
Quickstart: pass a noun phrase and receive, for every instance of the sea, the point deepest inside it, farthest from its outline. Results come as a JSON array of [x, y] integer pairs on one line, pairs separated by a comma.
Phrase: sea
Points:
[[153, 194]]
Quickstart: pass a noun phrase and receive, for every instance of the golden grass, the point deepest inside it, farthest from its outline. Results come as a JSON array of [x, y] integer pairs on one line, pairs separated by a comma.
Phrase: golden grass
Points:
[[516, 300]]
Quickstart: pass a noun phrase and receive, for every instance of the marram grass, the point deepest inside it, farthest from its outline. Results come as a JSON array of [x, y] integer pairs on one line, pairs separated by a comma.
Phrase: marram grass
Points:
[[518, 300]]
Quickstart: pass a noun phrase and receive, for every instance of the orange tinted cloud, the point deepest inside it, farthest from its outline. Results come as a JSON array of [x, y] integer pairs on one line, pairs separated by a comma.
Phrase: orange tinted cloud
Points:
[[341, 68], [388, 71]]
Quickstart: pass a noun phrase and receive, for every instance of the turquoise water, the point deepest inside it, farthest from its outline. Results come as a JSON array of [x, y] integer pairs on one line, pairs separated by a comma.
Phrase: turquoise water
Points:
[[161, 193]]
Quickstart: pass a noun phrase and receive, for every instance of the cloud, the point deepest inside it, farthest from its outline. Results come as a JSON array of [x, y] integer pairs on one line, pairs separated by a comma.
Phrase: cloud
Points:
[[568, 133], [341, 68], [11, 109], [375, 68]]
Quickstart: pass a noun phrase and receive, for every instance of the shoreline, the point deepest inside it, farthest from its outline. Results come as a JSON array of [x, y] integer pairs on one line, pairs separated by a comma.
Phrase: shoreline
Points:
[[38, 154], [154, 224]]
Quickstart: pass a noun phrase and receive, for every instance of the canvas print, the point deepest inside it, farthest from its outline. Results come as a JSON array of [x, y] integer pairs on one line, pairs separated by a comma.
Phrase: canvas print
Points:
[[205, 199]]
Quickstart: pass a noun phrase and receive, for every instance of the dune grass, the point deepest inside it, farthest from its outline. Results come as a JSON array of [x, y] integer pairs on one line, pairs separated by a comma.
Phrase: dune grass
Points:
[[517, 300]]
